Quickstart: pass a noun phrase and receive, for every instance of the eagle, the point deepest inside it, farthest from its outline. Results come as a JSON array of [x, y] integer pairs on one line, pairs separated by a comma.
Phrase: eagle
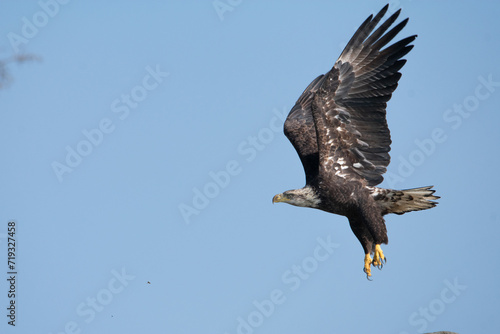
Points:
[[339, 129]]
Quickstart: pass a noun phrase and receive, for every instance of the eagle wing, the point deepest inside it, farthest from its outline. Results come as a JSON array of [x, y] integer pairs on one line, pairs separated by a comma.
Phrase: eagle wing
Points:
[[349, 107], [301, 130]]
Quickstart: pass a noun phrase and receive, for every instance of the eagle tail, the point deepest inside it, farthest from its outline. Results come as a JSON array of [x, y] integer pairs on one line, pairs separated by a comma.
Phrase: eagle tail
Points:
[[402, 201]]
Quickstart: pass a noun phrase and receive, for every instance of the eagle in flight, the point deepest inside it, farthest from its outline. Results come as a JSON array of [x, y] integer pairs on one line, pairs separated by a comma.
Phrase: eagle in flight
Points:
[[339, 129]]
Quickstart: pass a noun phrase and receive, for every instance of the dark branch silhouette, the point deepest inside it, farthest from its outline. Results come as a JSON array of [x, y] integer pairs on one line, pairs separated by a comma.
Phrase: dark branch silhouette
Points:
[[5, 77]]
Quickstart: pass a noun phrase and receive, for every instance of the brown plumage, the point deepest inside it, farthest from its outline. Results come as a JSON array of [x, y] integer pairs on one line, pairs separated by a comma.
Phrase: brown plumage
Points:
[[339, 129]]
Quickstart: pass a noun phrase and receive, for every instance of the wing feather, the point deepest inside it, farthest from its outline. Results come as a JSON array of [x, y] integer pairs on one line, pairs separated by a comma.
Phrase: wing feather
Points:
[[299, 128], [338, 125], [349, 108]]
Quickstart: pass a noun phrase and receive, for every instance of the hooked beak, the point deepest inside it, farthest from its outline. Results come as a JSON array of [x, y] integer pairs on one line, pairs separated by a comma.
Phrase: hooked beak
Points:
[[278, 198]]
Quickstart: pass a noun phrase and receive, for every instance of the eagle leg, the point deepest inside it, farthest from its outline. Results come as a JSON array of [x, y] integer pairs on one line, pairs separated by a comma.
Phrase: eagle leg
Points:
[[378, 257], [367, 269]]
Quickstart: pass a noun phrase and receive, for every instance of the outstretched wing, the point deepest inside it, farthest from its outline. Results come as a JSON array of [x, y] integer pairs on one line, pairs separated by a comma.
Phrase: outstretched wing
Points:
[[301, 131], [349, 108]]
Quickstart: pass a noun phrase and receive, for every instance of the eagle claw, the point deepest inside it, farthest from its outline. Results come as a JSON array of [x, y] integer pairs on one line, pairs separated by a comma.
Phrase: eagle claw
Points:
[[367, 270], [378, 257], [378, 261], [368, 274]]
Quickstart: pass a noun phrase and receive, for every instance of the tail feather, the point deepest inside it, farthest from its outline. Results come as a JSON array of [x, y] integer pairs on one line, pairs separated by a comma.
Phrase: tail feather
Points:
[[402, 201]]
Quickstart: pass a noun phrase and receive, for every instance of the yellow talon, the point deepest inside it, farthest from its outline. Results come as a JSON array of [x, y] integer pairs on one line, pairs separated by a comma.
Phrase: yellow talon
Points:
[[367, 268], [378, 257]]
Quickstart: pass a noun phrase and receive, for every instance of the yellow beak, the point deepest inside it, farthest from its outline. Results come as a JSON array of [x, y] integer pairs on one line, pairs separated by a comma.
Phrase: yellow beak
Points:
[[278, 198]]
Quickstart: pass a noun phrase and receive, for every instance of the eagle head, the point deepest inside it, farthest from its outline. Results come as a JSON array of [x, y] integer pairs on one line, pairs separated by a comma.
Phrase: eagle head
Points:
[[305, 197]]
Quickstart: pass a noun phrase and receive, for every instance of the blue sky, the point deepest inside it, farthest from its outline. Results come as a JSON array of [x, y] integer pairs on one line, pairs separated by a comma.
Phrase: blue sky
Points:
[[141, 154]]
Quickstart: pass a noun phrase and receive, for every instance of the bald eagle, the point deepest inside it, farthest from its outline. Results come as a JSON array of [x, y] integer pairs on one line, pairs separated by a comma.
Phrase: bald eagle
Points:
[[339, 129]]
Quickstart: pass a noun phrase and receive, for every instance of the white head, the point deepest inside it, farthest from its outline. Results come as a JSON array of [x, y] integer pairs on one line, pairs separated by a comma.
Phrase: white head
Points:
[[305, 197]]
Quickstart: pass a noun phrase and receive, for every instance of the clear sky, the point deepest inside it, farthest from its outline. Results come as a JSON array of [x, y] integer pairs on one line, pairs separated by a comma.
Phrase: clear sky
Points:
[[141, 154]]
